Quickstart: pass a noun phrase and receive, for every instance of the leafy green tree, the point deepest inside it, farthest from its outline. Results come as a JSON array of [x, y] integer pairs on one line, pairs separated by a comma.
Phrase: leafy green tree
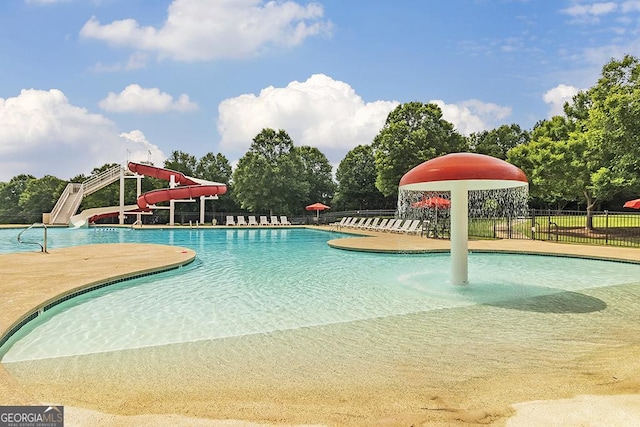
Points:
[[216, 167], [268, 175], [181, 162], [497, 142], [40, 195], [607, 119], [356, 177], [557, 128], [554, 170], [552, 163], [10, 193], [318, 174], [213, 167], [413, 133]]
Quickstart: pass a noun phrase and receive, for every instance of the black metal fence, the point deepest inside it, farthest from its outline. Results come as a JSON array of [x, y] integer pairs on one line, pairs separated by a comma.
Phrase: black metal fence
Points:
[[601, 228]]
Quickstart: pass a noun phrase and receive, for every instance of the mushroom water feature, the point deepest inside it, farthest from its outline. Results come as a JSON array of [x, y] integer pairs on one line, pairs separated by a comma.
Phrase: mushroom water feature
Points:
[[459, 173]]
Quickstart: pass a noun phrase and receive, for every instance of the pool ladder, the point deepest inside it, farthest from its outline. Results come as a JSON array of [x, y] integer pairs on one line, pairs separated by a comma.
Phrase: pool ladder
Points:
[[43, 246]]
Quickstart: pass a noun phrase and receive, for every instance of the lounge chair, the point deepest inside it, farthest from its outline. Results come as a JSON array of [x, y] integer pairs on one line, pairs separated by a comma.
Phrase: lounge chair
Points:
[[397, 227], [338, 225], [366, 223], [274, 220], [263, 220], [373, 224], [240, 220], [381, 225], [345, 221], [393, 224], [357, 223], [252, 220], [230, 220], [353, 222], [405, 226], [284, 220], [414, 228]]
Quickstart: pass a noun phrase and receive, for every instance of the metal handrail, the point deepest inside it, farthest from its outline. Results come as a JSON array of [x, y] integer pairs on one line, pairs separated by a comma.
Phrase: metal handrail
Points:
[[136, 222], [43, 247], [104, 178], [69, 189]]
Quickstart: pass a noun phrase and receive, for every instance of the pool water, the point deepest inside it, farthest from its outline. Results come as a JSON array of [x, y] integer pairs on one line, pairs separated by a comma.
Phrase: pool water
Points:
[[255, 281]]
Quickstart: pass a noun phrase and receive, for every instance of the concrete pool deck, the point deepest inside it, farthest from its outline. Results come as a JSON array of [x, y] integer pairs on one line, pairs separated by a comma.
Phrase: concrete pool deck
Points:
[[32, 279]]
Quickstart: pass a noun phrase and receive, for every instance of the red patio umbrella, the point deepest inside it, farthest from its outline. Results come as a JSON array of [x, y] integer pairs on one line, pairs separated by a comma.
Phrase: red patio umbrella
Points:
[[432, 202], [633, 204], [317, 207]]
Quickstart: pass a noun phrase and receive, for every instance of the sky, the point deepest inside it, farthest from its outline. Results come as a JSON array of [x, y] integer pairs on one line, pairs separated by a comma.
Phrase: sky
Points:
[[89, 82]]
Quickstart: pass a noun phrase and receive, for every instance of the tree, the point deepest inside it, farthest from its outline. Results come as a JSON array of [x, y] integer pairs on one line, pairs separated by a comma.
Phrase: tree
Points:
[[552, 163], [557, 128], [607, 125], [356, 177], [216, 168], [413, 133], [553, 168], [317, 172], [268, 175], [213, 167], [180, 161], [497, 142], [40, 195], [10, 192]]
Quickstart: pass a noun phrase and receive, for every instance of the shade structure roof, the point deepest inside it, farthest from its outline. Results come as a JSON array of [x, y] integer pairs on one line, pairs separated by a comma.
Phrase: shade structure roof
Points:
[[478, 171]]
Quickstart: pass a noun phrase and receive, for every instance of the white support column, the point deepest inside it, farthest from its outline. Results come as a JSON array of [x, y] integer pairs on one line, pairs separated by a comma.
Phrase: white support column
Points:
[[172, 205], [459, 233], [202, 200], [121, 216], [138, 192]]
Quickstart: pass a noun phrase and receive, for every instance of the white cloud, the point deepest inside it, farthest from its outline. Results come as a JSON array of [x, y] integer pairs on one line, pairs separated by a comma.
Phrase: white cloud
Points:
[[141, 100], [591, 13], [631, 6], [141, 149], [319, 112], [43, 134], [136, 61], [557, 96], [201, 30], [473, 115], [591, 10]]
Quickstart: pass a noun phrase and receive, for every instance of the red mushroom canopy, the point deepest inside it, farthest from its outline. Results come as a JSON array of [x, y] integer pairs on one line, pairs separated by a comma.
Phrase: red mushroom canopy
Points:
[[481, 172]]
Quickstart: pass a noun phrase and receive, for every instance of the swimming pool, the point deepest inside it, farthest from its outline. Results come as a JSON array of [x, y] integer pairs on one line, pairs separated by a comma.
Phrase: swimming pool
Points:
[[259, 281]]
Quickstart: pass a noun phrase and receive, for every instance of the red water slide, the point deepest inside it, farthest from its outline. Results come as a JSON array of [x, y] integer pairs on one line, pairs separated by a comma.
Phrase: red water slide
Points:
[[190, 187]]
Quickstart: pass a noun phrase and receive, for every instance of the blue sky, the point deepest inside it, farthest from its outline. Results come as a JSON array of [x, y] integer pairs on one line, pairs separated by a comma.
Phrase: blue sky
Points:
[[86, 82]]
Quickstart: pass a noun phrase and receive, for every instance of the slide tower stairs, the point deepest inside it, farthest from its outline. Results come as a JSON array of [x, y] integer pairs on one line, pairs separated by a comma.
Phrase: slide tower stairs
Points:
[[70, 199]]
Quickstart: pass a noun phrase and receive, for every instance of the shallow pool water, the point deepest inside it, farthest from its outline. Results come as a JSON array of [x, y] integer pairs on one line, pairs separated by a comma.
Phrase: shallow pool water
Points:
[[254, 281]]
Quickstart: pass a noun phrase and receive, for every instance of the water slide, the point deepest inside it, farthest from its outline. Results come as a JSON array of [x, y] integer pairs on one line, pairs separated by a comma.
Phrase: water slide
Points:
[[93, 214], [188, 188]]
